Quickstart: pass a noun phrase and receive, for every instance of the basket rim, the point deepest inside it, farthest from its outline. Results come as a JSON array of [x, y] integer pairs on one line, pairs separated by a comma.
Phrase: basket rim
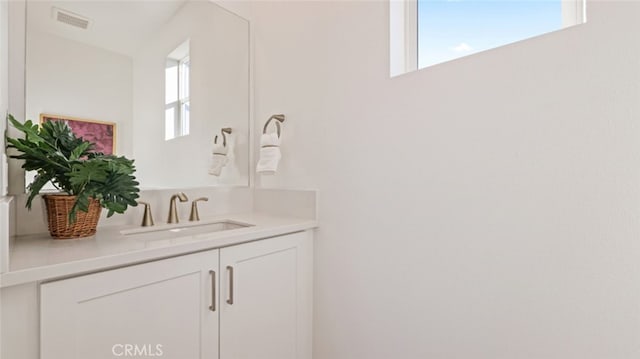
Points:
[[63, 195], [58, 195]]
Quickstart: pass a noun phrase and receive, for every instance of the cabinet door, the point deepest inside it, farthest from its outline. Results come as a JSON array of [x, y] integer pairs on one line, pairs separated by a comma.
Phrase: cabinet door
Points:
[[266, 299], [156, 309]]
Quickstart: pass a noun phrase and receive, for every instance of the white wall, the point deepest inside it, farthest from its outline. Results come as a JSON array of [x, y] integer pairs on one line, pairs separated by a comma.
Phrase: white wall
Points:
[[482, 208], [219, 93], [70, 78]]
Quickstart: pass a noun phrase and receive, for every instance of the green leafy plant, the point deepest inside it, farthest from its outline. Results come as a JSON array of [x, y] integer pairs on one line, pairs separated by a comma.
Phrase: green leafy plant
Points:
[[60, 157]]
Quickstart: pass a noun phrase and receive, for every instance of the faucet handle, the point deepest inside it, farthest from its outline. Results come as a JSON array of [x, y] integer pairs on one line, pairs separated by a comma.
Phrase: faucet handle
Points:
[[181, 196], [147, 218], [194, 216]]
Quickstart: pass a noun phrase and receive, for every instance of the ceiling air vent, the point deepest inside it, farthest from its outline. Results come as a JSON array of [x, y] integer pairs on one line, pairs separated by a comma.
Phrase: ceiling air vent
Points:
[[70, 18]]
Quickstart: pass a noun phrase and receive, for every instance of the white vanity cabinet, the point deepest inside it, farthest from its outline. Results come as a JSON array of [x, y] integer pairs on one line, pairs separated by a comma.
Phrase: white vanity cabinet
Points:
[[250, 300], [266, 299], [154, 309]]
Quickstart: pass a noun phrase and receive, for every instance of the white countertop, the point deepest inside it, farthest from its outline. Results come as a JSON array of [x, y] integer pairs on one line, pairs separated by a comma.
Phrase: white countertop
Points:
[[40, 258]]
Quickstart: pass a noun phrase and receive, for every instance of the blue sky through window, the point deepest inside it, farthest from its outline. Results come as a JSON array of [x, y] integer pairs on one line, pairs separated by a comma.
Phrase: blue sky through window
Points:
[[448, 29]]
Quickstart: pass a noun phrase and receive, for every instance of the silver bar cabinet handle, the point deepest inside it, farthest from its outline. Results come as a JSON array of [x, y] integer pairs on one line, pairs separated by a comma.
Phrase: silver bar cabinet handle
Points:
[[230, 299], [212, 307]]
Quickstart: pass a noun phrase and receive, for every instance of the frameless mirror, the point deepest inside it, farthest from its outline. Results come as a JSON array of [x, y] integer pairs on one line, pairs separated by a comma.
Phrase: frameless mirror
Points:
[[154, 80]]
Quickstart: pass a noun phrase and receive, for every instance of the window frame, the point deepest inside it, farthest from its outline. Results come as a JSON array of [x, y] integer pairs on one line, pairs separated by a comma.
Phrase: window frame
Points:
[[403, 31], [182, 120]]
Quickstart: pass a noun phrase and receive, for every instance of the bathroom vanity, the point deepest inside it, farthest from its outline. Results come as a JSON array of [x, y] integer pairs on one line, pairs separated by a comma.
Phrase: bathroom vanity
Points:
[[230, 286]]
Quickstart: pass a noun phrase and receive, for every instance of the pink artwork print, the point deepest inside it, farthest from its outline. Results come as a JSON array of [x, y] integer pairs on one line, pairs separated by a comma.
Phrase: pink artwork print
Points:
[[101, 134]]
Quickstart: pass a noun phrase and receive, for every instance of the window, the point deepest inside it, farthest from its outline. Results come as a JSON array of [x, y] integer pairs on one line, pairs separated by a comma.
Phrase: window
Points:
[[177, 92], [429, 32]]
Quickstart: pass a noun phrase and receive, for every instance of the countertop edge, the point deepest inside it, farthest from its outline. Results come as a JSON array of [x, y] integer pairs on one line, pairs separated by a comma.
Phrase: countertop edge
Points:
[[97, 264]]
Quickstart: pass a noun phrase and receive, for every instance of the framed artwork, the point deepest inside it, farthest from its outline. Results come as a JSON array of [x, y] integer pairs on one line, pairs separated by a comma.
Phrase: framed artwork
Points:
[[102, 134]]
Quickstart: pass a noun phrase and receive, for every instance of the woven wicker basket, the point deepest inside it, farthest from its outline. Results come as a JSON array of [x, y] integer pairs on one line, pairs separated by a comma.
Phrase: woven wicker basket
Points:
[[58, 208]]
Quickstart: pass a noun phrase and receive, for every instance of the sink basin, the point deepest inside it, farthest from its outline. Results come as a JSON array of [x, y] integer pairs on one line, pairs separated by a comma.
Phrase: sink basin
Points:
[[182, 230]]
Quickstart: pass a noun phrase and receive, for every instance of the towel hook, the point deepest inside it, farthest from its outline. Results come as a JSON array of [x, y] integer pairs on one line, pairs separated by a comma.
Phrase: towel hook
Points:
[[279, 118], [224, 137]]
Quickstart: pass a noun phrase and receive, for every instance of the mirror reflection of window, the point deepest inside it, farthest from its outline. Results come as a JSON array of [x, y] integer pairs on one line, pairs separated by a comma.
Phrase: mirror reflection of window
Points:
[[177, 92]]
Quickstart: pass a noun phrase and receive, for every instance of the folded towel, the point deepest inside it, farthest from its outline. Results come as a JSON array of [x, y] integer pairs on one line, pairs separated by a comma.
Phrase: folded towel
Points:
[[220, 149], [218, 159], [217, 162], [269, 139], [269, 158], [269, 153]]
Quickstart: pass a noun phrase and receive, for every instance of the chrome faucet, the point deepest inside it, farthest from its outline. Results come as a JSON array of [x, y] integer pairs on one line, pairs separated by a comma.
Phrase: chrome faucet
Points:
[[173, 209]]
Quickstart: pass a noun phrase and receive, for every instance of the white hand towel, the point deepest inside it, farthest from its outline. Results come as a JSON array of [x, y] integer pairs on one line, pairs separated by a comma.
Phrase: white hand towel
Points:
[[269, 153], [218, 159], [220, 149], [269, 139], [217, 162]]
